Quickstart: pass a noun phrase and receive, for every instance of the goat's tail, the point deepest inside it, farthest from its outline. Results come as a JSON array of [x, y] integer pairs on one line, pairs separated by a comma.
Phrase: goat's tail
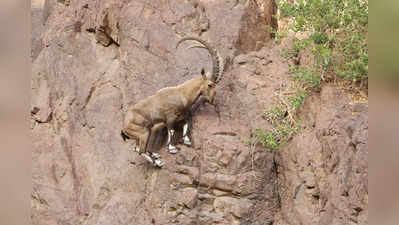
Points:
[[124, 136], [217, 60]]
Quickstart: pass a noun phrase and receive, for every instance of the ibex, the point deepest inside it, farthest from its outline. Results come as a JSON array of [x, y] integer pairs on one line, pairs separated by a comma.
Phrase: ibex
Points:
[[168, 106]]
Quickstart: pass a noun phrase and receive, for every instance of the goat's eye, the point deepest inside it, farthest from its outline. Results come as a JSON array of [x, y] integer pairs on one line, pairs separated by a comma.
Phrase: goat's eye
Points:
[[210, 85]]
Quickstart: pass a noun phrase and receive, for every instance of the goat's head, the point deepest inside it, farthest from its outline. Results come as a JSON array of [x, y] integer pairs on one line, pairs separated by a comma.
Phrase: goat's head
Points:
[[207, 87]]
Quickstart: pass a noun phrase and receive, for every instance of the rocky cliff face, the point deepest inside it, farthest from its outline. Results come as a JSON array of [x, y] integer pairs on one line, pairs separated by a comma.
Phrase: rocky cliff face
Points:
[[97, 57], [323, 172]]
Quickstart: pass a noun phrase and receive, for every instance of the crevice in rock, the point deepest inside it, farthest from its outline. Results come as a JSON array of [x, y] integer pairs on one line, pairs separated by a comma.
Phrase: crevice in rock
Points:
[[93, 88], [103, 37], [65, 2], [35, 195], [48, 119], [225, 133], [277, 184], [68, 150]]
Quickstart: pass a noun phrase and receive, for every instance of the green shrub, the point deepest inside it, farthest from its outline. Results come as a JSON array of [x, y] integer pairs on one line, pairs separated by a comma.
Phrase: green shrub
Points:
[[309, 79], [282, 130], [337, 35], [298, 99]]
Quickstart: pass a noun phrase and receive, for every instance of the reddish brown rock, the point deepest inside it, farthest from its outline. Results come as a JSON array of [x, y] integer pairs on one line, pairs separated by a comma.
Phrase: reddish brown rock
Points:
[[188, 197], [100, 56], [323, 172]]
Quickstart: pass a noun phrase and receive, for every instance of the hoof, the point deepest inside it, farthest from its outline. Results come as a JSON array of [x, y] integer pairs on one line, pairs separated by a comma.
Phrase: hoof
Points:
[[173, 150], [187, 141], [158, 163], [155, 155]]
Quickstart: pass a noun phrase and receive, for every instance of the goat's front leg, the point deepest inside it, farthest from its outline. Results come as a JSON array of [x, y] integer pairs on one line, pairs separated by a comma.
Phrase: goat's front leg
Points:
[[186, 138], [172, 149]]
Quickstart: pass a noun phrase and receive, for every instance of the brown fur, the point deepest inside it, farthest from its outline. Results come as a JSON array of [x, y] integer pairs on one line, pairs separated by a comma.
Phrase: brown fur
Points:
[[166, 107], [169, 105]]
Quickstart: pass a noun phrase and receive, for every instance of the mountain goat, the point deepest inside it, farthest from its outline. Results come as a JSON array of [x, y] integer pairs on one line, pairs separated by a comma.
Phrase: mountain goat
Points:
[[168, 106]]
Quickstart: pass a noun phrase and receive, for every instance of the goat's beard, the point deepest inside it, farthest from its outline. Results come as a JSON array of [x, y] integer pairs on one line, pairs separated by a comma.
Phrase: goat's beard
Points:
[[210, 101], [204, 99]]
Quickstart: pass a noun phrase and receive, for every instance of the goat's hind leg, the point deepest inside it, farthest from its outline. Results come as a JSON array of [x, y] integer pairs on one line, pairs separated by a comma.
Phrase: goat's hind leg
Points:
[[154, 130], [141, 134], [133, 131], [172, 149], [149, 156]]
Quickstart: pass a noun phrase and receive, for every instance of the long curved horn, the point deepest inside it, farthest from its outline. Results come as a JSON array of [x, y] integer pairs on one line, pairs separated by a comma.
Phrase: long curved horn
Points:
[[216, 67]]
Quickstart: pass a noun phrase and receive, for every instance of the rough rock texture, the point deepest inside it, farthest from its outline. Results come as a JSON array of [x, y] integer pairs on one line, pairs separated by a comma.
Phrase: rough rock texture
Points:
[[37, 28], [323, 172], [100, 56]]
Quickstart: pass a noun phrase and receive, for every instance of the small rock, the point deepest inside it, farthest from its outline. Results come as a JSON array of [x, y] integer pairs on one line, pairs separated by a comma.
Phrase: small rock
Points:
[[188, 197], [218, 193], [237, 207]]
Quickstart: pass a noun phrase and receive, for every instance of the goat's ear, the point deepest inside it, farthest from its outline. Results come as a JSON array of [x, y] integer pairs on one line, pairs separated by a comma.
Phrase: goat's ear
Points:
[[203, 73]]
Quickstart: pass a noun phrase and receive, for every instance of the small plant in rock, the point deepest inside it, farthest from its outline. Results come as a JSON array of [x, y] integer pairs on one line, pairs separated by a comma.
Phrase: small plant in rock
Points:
[[278, 34], [275, 114], [282, 129], [307, 78], [298, 99]]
